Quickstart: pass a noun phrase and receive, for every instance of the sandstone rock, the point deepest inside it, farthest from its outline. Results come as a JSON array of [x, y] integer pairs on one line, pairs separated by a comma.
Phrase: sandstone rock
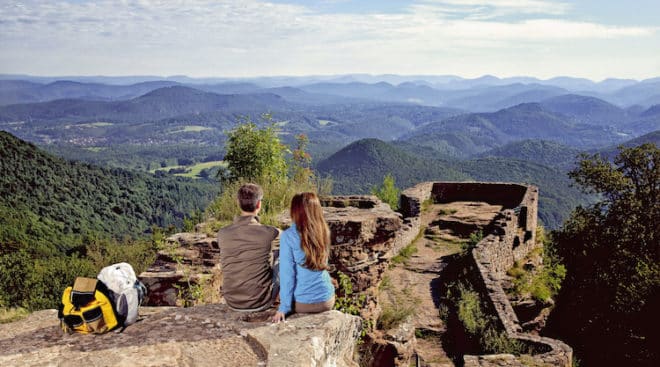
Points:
[[210, 335], [189, 260], [325, 339], [361, 236]]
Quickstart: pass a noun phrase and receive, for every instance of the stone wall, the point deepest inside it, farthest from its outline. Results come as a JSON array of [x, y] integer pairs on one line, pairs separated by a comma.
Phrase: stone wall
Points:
[[510, 237]]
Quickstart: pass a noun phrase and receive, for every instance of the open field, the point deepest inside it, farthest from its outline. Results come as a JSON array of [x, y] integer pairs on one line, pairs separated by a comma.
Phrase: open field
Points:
[[93, 124], [191, 171], [191, 128]]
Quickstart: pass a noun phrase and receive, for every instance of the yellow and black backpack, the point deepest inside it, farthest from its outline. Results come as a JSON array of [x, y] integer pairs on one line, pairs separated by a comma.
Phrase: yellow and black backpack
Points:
[[88, 307]]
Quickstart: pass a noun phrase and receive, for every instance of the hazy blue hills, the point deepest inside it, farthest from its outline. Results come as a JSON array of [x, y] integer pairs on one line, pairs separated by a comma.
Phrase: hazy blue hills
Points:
[[645, 93], [555, 155], [586, 109], [494, 98], [157, 104], [227, 88], [28, 92], [376, 119], [297, 95], [381, 91], [402, 88], [460, 144], [651, 111], [470, 134], [478, 97]]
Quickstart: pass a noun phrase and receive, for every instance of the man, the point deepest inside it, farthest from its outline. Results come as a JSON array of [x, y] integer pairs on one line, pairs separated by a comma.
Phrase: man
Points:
[[245, 252]]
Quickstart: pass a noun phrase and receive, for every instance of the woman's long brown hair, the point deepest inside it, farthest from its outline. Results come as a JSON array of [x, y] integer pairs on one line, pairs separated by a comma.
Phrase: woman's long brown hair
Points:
[[314, 233]]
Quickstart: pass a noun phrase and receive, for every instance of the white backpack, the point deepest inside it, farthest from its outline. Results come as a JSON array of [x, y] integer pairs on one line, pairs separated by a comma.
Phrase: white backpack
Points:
[[128, 291]]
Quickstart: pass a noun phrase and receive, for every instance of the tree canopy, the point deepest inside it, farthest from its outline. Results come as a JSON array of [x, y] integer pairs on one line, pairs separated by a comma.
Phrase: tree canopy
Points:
[[612, 252], [253, 153]]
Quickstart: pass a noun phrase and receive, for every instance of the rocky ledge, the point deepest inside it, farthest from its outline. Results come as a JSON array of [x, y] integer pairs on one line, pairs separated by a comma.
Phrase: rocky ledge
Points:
[[210, 335]]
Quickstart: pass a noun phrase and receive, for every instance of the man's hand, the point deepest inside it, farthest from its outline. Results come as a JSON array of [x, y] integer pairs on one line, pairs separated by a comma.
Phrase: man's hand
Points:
[[279, 316]]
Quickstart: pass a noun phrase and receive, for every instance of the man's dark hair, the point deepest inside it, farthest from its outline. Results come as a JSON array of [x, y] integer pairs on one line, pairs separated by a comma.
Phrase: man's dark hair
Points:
[[248, 197]]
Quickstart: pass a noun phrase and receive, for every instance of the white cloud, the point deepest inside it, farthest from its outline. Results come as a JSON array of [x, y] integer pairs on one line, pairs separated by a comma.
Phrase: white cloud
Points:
[[252, 37], [489, 9]]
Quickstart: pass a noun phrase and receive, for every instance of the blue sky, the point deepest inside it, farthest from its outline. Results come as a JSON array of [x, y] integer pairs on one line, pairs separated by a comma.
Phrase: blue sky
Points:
[[469, 38]]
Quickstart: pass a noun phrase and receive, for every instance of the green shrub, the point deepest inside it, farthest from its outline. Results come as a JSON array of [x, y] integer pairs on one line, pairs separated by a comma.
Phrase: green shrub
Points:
[[496, 343], [254, 153], [475, 238], [388, 192], [395, 313], [426, 204], [141, 254], [347, 301], [38, 284], [469, 310], [445, 211], [405, 254], [544, 283]]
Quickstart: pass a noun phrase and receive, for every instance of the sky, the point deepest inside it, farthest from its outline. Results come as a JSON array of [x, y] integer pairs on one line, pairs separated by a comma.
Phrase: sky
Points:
[[593, 39]]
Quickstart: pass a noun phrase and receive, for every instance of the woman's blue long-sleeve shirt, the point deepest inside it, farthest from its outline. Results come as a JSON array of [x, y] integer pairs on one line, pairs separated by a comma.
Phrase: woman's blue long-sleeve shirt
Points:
[[297, 283]]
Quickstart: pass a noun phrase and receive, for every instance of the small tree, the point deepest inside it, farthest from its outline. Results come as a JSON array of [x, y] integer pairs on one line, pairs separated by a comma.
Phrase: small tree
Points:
[[255, 154], [388, 192]]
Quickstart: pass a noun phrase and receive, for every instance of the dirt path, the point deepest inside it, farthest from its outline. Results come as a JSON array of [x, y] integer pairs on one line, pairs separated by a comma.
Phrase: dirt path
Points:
[[417, 278]]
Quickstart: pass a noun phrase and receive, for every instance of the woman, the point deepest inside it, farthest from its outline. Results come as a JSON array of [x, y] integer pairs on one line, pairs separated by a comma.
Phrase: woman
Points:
[[305, 285]]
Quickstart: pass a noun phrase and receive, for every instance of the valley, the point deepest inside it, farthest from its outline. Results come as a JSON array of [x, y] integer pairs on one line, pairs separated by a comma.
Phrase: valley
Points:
[[487, 129]]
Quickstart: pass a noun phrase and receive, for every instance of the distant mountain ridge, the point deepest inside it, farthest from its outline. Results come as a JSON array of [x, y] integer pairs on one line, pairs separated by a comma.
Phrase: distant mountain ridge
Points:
[[156, 104], [586, 109], [475, 94], [470, 134]]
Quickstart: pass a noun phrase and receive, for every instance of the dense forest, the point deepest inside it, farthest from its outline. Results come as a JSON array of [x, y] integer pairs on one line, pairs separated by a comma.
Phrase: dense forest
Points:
[[55, 212]]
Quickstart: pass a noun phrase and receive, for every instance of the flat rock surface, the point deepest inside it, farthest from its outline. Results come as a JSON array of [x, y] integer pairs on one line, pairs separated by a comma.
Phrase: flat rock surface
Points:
[[209, 335]]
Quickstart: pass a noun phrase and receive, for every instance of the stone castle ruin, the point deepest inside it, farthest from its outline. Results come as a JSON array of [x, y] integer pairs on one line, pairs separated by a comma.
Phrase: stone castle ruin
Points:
[[508, 237], [366, 236]]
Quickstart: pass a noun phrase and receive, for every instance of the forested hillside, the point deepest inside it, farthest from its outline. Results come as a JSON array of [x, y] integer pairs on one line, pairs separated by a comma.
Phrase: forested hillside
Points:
[[48, 201], [362, 165], [547, 153], [62, 219]]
